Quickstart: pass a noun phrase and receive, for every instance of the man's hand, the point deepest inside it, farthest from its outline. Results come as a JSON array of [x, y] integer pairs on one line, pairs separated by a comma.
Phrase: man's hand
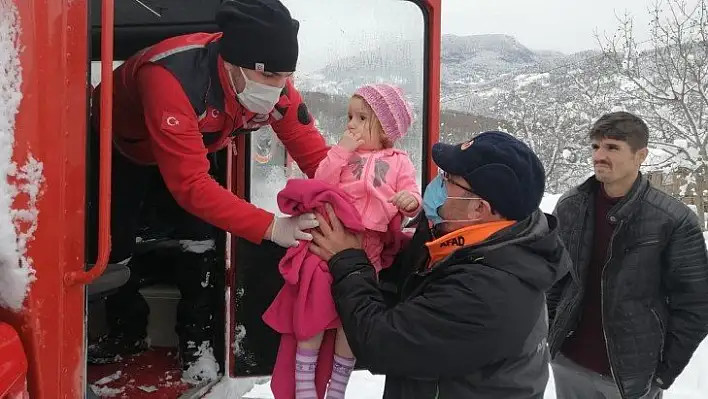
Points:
[[350, 141], [404, 201], [286, 231], [332, 237]]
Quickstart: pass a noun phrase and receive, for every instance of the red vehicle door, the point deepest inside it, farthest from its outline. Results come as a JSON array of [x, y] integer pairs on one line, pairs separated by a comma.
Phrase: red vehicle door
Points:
[[58, 39]]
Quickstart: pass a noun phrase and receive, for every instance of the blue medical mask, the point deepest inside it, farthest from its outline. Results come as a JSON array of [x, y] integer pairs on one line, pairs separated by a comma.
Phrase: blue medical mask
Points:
[[435, 196]]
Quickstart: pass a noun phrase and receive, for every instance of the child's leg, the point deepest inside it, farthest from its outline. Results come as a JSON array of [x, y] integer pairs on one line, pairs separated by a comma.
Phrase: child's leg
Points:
[[343, 365], [305, 365]]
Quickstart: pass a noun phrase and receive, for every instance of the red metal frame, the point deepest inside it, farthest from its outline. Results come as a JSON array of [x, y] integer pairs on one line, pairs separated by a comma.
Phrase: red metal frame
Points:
[[13, 364], [238, 179], [433, 26], [105, 146], [51, 125]]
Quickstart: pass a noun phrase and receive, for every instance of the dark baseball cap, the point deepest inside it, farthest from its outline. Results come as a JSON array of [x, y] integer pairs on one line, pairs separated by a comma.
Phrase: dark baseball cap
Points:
[[499, 168]]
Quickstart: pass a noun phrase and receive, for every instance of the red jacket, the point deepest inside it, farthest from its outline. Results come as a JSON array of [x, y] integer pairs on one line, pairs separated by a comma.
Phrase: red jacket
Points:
[[173, 104]]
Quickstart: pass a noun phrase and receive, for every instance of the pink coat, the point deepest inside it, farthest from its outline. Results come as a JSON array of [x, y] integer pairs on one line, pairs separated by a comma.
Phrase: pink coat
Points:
[[304, 306], [371, 178]]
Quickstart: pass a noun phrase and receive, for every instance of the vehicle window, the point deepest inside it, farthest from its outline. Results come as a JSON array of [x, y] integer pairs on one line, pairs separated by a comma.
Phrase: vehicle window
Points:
[[343, 46]]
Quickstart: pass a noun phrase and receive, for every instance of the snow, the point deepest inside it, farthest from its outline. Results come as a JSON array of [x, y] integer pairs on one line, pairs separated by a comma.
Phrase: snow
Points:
[[197, 247], [205, 368], [147, 389], [548, 202], [17, 226], [362, 385], [239, 336], [109, 378], [234, 388], [528, 79], [658, 159], [106, 392]]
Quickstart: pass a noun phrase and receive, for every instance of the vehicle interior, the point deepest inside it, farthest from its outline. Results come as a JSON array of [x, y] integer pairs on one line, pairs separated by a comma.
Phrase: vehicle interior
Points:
[[337, 54]]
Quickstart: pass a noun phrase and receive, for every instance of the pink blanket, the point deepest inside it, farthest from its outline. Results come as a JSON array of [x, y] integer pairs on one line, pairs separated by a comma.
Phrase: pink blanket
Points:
[[304, 306]]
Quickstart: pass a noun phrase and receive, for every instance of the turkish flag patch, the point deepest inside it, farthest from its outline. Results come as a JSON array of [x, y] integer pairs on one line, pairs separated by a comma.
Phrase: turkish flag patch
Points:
[[173, 122]]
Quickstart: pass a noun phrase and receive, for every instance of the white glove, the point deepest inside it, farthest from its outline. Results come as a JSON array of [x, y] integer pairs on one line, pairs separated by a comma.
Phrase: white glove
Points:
[[288, 230]]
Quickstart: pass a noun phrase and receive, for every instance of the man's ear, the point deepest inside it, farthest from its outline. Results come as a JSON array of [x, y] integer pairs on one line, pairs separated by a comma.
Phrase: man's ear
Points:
[[642, 154], [488, 210], [478, 209]]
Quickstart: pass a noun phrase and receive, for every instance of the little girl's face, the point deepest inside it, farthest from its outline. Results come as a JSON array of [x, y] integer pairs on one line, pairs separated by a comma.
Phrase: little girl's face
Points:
[[362, 121]]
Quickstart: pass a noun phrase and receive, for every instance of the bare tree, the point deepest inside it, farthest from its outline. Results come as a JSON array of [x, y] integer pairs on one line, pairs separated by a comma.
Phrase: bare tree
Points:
[[540, 126], [553, 113], [667, 83]]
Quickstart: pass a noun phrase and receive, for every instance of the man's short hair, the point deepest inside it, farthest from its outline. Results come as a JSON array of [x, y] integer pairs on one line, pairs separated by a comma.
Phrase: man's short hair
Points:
[[622, 126]]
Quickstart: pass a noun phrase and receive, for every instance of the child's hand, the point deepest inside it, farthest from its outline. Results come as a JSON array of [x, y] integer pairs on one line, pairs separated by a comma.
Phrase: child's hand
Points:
[[350, 141], [404, 201]]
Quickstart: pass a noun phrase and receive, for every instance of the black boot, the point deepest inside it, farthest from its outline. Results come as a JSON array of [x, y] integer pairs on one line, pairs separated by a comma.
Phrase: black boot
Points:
[[127, 316], [195, 316]]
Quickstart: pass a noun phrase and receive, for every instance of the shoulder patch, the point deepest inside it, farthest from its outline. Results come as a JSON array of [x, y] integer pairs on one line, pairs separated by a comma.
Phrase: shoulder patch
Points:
[[303, 114], [172, 122]]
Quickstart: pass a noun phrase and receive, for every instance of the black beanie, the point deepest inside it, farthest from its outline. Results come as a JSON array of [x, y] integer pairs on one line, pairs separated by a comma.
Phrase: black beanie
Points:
[[258, 34]]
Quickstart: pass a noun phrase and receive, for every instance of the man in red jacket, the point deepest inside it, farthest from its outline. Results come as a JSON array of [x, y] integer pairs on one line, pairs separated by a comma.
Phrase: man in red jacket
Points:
[[174, 103]]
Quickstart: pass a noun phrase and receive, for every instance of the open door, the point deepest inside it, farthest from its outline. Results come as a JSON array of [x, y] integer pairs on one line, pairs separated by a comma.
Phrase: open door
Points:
[[342, 46], [133, 26]]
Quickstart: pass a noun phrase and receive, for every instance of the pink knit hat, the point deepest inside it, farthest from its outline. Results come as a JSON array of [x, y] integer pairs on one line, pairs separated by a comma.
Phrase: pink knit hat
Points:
[[390, 107]]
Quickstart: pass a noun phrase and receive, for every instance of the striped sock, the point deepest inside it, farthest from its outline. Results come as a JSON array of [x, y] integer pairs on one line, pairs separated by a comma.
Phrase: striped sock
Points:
[[305, 365], [341, 372]]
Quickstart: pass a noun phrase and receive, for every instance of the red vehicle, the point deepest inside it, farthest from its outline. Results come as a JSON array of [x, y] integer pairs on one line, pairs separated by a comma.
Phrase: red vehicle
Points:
[[43, 344]]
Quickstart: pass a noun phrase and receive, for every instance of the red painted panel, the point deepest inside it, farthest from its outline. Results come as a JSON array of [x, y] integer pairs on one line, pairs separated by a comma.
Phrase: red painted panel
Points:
[[51, 126], [13, 363], [432, 90]]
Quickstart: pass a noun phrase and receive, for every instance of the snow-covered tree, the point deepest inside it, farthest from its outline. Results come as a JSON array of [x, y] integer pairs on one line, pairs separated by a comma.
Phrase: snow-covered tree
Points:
[[667, 84], [553, 114]]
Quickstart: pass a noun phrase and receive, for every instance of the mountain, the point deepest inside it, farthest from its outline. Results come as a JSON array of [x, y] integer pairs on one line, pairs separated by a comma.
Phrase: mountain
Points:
[[475, 69], [487, 82], [546, 98]]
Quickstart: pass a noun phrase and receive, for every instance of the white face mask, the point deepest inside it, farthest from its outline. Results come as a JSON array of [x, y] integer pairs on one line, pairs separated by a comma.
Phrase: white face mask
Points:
[[257, 97]]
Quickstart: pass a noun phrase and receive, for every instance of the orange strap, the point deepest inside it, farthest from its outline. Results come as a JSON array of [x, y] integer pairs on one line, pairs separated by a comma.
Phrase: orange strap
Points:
[[470, 235]]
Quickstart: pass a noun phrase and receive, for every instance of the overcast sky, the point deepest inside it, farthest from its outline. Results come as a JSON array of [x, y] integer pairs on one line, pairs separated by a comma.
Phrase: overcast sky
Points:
[[563, 25], [333, 28]]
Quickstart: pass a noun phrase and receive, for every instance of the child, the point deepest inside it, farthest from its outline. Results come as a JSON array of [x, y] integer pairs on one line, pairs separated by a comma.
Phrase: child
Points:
[[381, 182]]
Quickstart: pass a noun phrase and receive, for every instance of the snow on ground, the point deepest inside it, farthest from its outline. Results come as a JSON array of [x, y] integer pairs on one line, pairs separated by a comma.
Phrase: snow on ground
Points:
[[691, 384], [549, 202], [17, 226], [205, 368]]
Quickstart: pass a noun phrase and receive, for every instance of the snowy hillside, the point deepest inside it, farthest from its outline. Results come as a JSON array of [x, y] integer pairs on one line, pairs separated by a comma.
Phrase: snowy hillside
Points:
[[546, 98], [475, 69]]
